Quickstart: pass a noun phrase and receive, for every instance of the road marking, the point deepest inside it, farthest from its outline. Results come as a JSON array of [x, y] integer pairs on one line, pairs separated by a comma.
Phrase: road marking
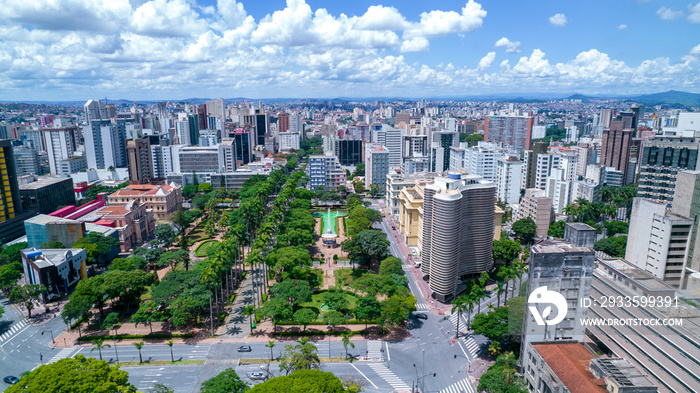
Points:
[[387, 350], [65, 353], [463, 386], [369, 380], [11, 338], [389, 376], [462, 348], [374, 350]]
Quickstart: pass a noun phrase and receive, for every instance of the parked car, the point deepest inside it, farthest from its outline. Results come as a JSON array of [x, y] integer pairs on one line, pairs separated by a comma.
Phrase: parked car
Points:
[[256, 375], [245, 348], [421, 315], [11, 379]]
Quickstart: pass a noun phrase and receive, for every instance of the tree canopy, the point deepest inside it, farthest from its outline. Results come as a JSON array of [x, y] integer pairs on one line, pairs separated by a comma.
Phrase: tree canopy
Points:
[[302, 381], [614, 246], [226, 382], [557, 229], [524, 229], [367, 248]]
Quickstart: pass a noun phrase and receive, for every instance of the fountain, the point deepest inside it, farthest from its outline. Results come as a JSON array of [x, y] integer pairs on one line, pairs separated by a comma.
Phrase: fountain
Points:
[[330, 235]]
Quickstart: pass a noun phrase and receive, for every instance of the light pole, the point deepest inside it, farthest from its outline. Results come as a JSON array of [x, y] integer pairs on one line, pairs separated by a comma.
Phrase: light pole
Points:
[[52, 340], [329, 339]]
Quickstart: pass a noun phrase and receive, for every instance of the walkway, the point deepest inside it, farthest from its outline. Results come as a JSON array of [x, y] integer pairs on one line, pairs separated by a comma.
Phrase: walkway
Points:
[[237, 325]]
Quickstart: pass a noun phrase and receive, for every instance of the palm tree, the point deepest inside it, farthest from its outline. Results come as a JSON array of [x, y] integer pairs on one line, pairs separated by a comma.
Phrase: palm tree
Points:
[[346, 341], [138, 346], [99, 344], [459, 305], [249, 311], [208, 276], [270, 344], [170, 344], [500, 288]]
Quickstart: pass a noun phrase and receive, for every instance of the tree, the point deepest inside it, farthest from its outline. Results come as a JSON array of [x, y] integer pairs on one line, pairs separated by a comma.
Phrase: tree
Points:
[[111, 321], [160, 388], [46, 245], [505, 250], [164, 233], [367, 308], [346, 341], [471, 139], [147, 313], [98, 246], [367, 248], [76, 375], [11, 253], [170, 344], [302, 381], [525, 229], [138, 346], [75, 309], [249, 311], [333, 318], [9, 274], [615, 227], [27, 294], [359, 170], [391, 265], [294, 292], [205, 187], [270, 344], [614, 246], [459, 305], [396, 309], [99, 344], [301, 356], [557, 229], [335, 300], [226, 382], [500, 377], [493, 325], [305, 316]]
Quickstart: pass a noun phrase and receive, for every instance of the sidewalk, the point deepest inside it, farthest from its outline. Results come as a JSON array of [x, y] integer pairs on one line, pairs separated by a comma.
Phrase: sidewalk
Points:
[[237, 325]]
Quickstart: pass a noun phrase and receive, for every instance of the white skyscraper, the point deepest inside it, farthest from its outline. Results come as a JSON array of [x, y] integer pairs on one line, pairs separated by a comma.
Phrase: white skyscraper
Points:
[[508, 179], [60, 144]]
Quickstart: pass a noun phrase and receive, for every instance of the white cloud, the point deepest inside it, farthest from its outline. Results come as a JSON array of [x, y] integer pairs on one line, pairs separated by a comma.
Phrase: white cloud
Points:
[[486, 61], [622, 27], [558, 20], [695, 50], [511, 46], [694, 13], [68, 15], [167, 18], [379, 17], [415, 44], [436, 23], [668, 14], [535, 65]]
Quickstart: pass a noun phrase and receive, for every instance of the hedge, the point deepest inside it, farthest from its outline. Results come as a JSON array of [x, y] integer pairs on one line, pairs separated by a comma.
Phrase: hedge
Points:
[[307, 333], [134, 336]]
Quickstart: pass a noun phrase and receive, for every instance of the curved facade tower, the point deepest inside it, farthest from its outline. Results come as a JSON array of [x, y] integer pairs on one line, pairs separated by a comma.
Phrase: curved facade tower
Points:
[[458, 225]]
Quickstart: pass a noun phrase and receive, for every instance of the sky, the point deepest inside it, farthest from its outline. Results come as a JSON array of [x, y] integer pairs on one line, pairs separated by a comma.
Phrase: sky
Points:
[[177, 49]]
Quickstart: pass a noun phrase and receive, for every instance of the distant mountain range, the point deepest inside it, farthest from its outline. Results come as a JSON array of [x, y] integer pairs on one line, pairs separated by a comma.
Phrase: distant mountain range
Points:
[[671, 97]]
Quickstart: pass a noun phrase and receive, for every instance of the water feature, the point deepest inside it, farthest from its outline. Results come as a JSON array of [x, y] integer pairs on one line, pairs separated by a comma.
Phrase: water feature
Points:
[[328, 222]]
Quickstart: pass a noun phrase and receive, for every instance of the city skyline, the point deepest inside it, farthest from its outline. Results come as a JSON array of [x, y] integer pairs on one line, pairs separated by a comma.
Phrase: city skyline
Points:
[[70, 49]]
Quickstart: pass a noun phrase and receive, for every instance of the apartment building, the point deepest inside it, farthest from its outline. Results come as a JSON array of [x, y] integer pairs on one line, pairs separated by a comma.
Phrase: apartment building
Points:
[[536, 205], [325, 171]]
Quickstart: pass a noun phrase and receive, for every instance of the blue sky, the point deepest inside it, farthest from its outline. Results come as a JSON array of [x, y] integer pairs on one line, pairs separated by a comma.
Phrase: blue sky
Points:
[[174, 49]]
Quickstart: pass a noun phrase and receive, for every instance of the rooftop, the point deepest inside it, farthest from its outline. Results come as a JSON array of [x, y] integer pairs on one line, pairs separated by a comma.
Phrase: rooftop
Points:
[[570, 363], [557, 246], [43, 182]]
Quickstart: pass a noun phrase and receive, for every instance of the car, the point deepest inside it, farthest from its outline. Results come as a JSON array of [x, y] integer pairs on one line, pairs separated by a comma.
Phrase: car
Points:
[[11, 379], [256, 375], [245, 348], [416, 265], [421, 315]]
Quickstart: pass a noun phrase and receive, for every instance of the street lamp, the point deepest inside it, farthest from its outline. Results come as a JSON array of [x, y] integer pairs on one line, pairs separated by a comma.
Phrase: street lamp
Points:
[[52, 340], [329, 339]]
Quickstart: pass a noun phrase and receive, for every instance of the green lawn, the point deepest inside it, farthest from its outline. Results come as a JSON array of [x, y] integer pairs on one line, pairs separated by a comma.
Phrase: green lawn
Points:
[[346, 277], [316, 301], [201, 250]]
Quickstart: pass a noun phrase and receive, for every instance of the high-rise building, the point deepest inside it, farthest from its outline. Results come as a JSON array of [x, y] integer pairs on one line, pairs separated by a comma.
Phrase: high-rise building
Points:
[[482, 160], [529, 179], [216, 109], [686, 203], [105, 144], [283, 122], [139, 158], [391, 139], [377, 167], [262, 126], [662, 159], [199, 159], [11, 212], [658, 240], [512, 131], [619, 146], [325, 171], [457, 234], [46, 195], [537, 206], [244, 146], [558, 266], [61, 144], [441, 142], [349, 152], [508, 177], [182, 130], [26, 161], [228, 145]]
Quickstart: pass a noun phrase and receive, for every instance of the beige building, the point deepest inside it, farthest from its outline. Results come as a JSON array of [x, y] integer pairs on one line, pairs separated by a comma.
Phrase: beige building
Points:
[[134, 221], [538, 207], [162, 200]]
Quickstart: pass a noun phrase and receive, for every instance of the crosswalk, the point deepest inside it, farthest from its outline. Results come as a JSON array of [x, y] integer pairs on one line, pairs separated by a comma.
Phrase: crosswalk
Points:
[[389, 376], [13, 330], [462, 322], [463, 386], [422, 306], [406, 268], [374, 350], [471, 345], [65, 353]]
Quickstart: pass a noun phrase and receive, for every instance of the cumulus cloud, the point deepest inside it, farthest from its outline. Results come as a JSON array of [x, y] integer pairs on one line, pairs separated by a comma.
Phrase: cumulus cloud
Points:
[[668, 14], [167, 18], [379, 17], [535, 65], [511, 46], [622, 27], [486, 61], [694, 13], [415, 44], [695, 50], [437, 23], [558, 20]]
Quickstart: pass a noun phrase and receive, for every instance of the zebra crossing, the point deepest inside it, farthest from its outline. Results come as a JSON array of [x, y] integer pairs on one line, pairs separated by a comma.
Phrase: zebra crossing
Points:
[[463, 386], [374, 350], [462, 322], [65, 353], [406, 268], [471, 345], [389, 376], [13, 330], [422, 306]]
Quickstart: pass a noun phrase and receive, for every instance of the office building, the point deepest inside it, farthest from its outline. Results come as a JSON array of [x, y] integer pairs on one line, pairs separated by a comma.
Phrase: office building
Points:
[[244, 148], [391, 139], [105, 144], [663, 157], [58, 270], [162, 200], [530, 166], [199, 159], [138, 153], [325, 171], [289, 141], [44, 228], [75, 164], [377, 167], [658, 240], [262, 126], [46, 195], [349, 152], [216, 114], [11, 213], [686, 203], [561, 267], [26, 162], [508, 177], [228, 145], [618, 148], [182, 130], [61, 144], [234, 180], [282, 123], [661, 352], [440, 144], [457, 233], [512, 131], [570, 367], [537, 206]]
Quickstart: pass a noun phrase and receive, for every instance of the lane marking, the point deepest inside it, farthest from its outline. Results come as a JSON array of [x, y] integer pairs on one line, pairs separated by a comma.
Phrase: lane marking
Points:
[[361, 373]]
